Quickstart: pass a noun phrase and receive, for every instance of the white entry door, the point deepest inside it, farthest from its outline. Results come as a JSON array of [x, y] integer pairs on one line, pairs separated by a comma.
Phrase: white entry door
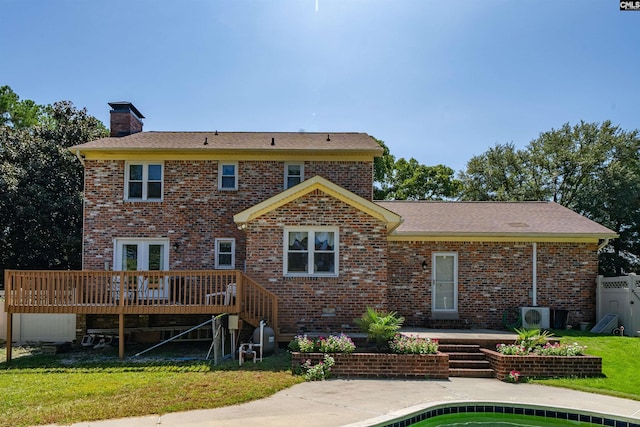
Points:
[[144, 255], [445, 283]]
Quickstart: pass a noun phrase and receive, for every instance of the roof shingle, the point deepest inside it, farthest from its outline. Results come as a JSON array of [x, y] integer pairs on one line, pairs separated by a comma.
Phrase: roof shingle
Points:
[[492, 219], [247, 141]]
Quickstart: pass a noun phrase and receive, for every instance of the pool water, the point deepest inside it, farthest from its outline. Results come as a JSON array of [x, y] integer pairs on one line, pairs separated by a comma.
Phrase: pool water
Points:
[[496, 420]]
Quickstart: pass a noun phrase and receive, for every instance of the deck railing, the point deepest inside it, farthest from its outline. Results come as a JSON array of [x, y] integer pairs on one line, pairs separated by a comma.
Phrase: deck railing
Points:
[[140, 292]]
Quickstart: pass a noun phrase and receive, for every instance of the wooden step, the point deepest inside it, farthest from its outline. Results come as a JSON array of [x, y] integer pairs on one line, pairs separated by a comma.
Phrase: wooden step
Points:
[[471, 373]]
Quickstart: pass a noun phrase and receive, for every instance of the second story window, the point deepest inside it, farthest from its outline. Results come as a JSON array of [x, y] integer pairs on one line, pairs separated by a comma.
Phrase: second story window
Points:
[[143, 181], [228, 176], [293, 174]]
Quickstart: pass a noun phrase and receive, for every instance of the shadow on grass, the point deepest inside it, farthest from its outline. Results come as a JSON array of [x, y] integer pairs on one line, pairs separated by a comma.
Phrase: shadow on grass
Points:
[[174, 356]]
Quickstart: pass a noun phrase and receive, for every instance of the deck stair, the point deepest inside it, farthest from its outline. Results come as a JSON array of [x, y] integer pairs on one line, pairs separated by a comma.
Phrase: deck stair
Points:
[[466, 360]]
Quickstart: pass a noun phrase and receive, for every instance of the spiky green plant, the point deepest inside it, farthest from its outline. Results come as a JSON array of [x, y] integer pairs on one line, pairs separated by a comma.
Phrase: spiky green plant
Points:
[[532, 338], [380, 326]]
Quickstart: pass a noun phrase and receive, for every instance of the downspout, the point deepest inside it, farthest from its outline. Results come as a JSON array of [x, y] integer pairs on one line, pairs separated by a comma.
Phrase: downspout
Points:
[[534, 281], [604, 243], [79, 156]]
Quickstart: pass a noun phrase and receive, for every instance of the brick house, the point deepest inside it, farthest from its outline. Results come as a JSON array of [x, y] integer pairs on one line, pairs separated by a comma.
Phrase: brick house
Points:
[[294, 212]]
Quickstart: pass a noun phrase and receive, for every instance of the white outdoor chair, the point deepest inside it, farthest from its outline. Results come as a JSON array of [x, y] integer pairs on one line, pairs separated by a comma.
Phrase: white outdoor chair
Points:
[[228, 295]]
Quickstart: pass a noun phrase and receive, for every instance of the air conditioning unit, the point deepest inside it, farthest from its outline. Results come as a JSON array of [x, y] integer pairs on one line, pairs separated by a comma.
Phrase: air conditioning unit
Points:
[[535, 317]]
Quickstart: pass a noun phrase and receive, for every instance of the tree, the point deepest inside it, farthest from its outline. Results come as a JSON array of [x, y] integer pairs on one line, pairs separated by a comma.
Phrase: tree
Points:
[[41, 188], [16, 113], [591, 168], [409, 180], [501, 173]]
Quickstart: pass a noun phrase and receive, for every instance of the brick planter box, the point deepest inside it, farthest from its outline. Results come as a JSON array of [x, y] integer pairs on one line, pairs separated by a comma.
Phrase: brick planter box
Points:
[[544, 366], [381, 365]]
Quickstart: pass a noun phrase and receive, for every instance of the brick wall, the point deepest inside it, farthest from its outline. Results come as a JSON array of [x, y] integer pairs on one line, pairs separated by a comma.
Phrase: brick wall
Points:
[[494, 276], [534, 366], [124, 123], [381, 365], [193, 212], [362, 264]]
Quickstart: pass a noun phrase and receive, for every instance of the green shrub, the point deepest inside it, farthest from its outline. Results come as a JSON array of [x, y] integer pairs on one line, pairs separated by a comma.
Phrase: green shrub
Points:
[[380, 326], [318, 372]]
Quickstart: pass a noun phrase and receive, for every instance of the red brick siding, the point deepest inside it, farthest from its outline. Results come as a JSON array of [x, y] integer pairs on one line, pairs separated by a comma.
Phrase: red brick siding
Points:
[[362, 264], [544, 366], [494, 276], [384, 365], [124, 123], [193, 212]]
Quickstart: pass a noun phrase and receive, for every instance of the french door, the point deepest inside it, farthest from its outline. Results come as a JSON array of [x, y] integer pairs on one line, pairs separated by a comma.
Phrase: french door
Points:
[[445, 282], [143, 255]]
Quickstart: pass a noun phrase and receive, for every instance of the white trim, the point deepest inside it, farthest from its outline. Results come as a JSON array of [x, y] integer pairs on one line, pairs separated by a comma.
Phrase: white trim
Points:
[[311, 251], [221, 166], [454, 309], [233, 253], [287, 176], [145, 181], [143, 243]]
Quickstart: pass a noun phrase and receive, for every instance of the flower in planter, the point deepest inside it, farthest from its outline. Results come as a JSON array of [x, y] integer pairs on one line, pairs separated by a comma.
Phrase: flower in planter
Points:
[[514, 376], [410, 344], [336, 344], [303, 344]]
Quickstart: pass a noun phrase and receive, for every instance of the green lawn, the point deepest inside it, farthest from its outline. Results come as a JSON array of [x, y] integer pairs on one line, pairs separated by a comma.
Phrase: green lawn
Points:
[[620, 359], [42, 390]]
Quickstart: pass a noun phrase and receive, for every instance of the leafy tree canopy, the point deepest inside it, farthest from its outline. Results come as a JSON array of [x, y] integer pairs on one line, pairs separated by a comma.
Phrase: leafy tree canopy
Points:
[[41, 183], [409, 180], [591, 168]]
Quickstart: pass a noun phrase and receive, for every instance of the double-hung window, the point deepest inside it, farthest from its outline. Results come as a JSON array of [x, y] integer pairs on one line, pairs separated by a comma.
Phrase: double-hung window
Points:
[[227, 176], [311, 252], [143, 181], [225, 253], [293, 174]]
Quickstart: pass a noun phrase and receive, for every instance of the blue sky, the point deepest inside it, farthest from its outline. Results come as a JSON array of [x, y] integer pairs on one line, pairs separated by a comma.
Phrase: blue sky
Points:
[[440, 81]]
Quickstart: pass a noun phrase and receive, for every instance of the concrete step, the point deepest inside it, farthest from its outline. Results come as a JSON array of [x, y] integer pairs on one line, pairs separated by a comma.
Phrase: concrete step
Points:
[[469, 364], [459, 348], [471, 373], [466, 356]]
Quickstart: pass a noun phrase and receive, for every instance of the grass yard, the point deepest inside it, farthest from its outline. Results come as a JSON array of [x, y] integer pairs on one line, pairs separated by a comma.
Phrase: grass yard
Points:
[[40, 389], [89, 385], [620, 358]]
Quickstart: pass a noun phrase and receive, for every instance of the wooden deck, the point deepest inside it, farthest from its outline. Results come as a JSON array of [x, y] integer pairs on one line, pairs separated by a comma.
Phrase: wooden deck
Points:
[[138, 292]]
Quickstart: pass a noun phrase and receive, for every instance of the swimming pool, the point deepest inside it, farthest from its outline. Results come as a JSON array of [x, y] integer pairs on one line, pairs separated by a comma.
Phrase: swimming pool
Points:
[[505, 414]]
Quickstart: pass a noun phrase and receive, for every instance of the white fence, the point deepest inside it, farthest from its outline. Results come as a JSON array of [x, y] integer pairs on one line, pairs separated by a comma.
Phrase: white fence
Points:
[[38, 327], [621, 296]]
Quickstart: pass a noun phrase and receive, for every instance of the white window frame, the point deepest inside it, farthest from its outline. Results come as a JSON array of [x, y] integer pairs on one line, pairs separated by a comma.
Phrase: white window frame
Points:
[[233, 254], [311, 251], [143, 245], [287, 176], [145, 181], [221, 166], [454, 309]]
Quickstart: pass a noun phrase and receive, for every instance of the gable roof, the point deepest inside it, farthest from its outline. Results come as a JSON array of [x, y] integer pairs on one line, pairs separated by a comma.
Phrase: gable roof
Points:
[[318, 183], [215, 144], [532, 221]]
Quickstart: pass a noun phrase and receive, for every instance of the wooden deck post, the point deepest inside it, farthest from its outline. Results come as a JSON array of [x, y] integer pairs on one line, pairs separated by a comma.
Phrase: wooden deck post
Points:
[[121, 336], [9, 335]]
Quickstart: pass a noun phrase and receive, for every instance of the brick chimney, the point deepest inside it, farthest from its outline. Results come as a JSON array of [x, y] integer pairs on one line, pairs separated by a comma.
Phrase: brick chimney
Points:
[[125, 119]]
